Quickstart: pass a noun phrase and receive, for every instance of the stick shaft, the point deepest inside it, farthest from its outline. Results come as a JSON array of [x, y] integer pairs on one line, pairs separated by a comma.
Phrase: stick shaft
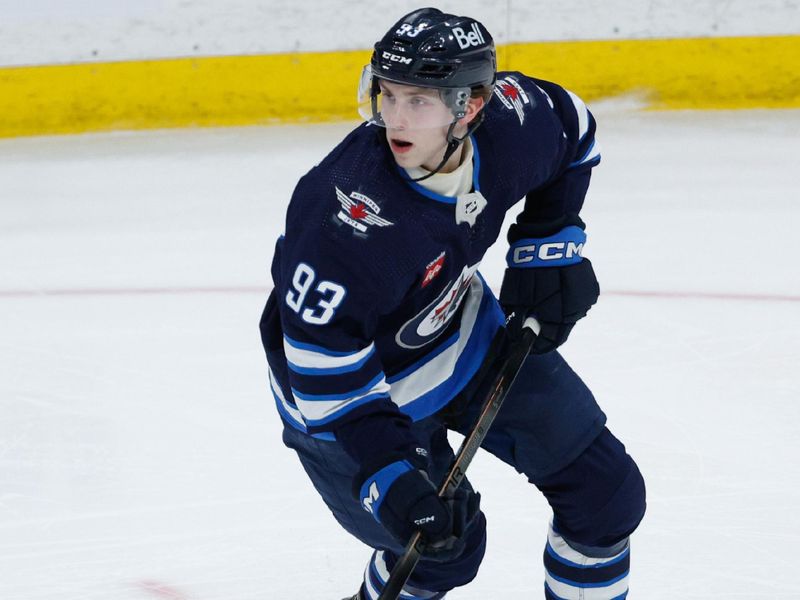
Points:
[[469, 447]]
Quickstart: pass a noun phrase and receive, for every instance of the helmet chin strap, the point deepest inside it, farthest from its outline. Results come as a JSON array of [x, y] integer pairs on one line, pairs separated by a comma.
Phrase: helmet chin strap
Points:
[[453, 142]]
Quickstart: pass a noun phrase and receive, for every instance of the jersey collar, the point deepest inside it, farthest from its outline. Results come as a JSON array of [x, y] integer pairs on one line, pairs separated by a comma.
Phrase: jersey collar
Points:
[[476, 167]]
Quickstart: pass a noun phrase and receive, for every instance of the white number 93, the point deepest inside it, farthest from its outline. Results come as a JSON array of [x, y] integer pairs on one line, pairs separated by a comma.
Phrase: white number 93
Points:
[[302, 282]]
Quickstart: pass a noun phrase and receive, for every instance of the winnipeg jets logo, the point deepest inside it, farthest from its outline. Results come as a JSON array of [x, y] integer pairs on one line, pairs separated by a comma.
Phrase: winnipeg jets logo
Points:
[[431, 321], [433, 269], [512, 96], [359, 211]]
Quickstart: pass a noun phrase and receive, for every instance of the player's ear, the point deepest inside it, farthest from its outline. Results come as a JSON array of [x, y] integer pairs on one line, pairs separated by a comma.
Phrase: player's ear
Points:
[[474, 106]]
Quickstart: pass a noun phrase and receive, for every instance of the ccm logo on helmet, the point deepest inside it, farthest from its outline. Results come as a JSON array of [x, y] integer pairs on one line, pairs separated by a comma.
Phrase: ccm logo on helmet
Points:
[[547, 252], [471, 38], [403, 60]]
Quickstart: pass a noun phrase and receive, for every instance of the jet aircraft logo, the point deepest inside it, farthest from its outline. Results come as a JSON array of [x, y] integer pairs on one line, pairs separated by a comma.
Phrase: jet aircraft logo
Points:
[[359, 211]]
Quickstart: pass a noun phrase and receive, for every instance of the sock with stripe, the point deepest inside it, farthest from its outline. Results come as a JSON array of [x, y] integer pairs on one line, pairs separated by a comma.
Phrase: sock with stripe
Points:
[[576, 572], [375, 577]]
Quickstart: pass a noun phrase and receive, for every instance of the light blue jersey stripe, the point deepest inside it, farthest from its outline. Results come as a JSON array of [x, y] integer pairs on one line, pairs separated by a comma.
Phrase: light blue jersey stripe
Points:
[[337, 397], [591, 155]]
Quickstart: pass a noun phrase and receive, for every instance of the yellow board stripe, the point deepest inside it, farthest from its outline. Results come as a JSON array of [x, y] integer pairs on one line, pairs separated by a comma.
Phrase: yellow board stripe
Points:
[[706, 73], [694, 73]]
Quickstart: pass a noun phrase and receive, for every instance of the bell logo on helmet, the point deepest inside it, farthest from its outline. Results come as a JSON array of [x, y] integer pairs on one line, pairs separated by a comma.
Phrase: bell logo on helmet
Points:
[[467, 39], [403, 60]]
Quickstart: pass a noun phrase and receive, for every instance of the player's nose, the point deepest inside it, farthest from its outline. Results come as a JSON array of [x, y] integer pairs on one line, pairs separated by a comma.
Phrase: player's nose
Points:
[[399, 119], [398, 122]]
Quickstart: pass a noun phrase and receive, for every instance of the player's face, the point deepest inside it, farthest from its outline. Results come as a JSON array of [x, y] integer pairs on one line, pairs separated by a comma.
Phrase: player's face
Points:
[[416, 124]]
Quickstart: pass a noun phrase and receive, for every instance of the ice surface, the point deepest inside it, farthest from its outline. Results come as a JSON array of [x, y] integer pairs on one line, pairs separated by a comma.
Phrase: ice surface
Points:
[[140, 453]]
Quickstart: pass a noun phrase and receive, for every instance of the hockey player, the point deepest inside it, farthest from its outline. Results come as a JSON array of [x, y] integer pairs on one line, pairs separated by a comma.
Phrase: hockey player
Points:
[[380, 330]]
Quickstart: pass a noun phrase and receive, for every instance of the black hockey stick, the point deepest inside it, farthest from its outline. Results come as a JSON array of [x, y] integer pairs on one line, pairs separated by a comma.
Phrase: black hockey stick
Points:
[[469, 447]]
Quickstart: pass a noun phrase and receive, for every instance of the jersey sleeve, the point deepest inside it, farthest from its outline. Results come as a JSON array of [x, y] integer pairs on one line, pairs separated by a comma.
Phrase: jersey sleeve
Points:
[[563, 194], [329, 303]]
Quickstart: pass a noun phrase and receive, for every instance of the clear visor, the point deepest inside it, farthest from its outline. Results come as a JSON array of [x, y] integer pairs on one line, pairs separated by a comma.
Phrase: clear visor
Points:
[[399, 106]]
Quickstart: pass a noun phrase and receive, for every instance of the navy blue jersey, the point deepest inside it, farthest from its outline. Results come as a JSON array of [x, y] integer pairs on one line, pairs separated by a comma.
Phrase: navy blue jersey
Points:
[[378, 304]]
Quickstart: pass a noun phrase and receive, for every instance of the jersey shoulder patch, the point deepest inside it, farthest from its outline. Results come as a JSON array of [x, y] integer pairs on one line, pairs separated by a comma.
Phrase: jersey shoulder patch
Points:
[[359, 211], [512, 95]]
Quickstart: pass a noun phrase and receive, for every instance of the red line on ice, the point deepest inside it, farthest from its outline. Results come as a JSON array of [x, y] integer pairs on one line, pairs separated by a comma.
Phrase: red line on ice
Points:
[[162, 590], [705, 295], [154, 291]]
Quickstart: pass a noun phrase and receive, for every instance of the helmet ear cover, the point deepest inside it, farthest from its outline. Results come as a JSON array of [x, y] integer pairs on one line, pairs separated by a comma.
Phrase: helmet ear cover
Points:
[[456, 99]]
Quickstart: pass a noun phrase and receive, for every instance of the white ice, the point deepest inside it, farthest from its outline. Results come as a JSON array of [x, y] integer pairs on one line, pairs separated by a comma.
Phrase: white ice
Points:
[[140, 452]]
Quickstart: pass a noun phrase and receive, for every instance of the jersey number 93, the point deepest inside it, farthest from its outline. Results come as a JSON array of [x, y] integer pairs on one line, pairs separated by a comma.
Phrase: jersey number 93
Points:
[[331, 294]]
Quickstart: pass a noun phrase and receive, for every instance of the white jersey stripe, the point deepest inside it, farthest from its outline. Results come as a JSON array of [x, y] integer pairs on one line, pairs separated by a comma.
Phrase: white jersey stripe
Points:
[[593, 153], [408, 592], [317, 412], [570, 592], [291, 410], [307, 358], [569, 554], [582, 112], [432, 381], [546, 95], [438, 370], [372, 593]]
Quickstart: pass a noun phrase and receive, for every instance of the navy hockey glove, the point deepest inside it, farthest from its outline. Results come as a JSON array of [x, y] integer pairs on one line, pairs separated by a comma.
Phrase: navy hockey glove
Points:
[[402, 498], [549, 279]]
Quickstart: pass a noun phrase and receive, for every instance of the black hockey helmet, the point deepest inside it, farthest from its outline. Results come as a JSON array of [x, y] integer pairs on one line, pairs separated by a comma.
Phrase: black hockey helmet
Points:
[[432, 49], [429, 48]]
